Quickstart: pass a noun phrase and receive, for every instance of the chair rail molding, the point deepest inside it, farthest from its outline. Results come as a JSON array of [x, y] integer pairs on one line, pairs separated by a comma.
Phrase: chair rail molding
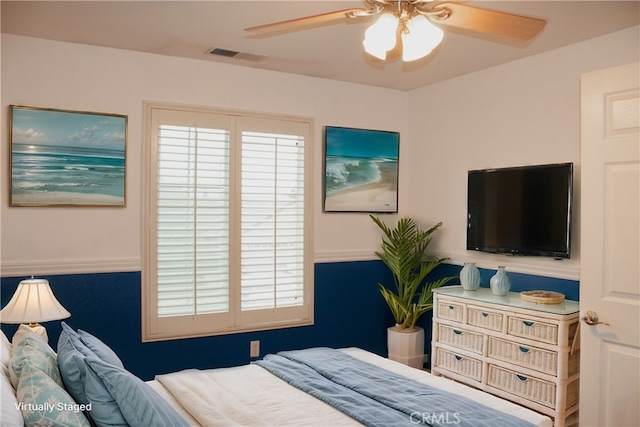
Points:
[[69, 266], [344, 256]]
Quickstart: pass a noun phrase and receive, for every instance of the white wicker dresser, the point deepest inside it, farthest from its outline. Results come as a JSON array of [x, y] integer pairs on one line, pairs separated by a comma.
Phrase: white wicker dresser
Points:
[[521, 351]]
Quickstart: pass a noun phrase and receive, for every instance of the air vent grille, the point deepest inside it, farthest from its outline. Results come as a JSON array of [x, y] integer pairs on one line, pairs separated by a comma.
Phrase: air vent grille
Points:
[[223, 52], [235, 54]]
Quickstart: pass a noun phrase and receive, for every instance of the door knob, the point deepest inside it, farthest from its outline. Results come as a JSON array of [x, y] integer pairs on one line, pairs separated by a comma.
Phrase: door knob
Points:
[[591, 318]]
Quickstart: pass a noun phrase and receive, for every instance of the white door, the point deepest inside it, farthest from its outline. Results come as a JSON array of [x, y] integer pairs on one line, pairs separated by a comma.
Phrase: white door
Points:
[[610, 248]]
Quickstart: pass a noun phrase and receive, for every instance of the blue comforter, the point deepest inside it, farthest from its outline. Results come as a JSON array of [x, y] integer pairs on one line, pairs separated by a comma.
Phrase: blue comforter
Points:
[[377, 397]]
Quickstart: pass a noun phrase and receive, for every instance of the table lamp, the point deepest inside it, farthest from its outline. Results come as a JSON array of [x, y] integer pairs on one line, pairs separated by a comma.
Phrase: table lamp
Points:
[[33, 302]]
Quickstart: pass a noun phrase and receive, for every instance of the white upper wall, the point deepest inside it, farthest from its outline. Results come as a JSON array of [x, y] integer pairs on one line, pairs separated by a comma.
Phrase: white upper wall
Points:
[[522, 113], [43, 73]]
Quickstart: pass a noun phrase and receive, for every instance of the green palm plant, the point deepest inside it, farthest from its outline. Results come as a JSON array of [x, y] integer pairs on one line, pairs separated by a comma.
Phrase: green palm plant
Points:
[[404, 253]]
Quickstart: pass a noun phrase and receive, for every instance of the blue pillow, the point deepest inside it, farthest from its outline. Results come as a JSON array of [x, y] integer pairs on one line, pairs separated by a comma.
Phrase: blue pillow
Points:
[[71, 354], [100, 349], [114, 390], [104, 408]]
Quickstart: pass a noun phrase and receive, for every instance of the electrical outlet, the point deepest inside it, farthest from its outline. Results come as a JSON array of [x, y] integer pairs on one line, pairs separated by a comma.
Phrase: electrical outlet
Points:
[[425, 359], [254, 349]]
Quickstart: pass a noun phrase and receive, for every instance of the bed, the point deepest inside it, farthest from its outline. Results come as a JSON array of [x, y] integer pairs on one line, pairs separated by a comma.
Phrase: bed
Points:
[[354, 387]]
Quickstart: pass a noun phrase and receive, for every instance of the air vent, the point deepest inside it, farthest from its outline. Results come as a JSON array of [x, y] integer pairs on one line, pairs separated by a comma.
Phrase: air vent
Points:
[[223, 52], [234, 54]]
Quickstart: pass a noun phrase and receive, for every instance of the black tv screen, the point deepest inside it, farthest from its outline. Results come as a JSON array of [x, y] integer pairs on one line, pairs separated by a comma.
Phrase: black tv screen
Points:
[[521, 210]]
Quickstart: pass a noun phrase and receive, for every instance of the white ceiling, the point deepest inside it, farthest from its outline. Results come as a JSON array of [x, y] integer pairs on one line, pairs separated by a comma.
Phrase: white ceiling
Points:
[[192, 28]]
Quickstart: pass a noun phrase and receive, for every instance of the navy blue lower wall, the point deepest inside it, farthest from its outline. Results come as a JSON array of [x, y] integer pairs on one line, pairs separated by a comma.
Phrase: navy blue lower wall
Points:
[[349, 311]]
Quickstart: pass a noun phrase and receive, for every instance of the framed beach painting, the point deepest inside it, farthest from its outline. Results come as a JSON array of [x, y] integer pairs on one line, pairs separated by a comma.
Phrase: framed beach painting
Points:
[[361, 170], [66, 158]]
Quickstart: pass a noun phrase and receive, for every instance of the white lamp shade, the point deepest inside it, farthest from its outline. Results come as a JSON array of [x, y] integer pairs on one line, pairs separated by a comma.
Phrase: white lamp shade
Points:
[[420, 38], [33, 302], [381, 36]]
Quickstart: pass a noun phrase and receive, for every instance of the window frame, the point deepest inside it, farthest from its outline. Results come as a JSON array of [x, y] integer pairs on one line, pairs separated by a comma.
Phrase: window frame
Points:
[[155, 328]]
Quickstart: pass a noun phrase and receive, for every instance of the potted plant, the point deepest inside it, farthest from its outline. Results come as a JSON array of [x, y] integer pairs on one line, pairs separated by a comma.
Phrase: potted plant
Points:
[[404, 253]]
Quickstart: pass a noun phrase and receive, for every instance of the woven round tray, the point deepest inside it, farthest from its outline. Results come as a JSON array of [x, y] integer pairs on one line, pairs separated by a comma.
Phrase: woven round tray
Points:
[[542, 297]]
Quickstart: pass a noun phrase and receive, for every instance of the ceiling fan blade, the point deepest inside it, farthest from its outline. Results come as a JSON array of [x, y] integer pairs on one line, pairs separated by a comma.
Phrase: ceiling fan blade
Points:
[[489, 21], [308, 20]]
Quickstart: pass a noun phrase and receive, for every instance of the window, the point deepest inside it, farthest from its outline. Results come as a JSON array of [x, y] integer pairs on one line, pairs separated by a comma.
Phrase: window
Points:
[[227, 230]]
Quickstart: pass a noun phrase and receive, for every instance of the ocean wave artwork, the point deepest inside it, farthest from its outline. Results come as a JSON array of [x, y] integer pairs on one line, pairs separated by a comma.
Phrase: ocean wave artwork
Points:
[[361, 170], [67, 158]]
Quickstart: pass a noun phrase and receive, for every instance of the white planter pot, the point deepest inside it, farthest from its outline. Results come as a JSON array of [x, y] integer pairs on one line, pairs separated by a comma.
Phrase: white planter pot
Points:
[[406, 347]]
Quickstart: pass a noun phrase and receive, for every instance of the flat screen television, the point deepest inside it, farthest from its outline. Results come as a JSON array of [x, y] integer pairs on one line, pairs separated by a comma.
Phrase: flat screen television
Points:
[[521, 210]]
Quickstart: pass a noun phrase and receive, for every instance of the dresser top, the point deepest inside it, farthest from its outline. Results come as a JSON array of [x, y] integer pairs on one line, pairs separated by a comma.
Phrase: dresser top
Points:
[[512, 299]]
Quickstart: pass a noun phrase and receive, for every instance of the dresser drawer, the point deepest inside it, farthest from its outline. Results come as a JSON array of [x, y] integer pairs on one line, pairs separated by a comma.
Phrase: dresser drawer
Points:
[[461, 338], [467, 366], [533, 329], [527, 356], [486, 319], [450, 310], [531, 388]]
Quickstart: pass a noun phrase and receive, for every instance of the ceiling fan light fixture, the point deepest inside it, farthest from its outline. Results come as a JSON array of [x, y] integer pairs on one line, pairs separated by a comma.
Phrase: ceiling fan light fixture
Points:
[[419, 38], [381, 36]]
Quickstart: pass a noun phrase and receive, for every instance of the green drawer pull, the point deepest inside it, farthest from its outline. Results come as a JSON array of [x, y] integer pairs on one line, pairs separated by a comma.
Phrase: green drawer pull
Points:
[[458, 358], [457, 332], [451, 307], [521, 377], [528, 323], [523, 349], [485, 314]]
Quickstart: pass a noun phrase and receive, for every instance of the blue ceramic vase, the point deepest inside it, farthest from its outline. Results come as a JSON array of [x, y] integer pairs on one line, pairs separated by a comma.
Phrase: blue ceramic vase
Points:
[[470, 277], [500, 282]]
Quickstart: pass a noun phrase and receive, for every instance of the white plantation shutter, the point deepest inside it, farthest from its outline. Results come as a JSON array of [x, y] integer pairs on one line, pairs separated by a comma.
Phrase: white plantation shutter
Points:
[[227, 235], [272, 221], [193, 220]]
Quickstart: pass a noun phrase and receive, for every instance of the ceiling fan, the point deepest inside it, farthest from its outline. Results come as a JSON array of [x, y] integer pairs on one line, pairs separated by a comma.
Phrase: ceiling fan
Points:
[[414, 21]]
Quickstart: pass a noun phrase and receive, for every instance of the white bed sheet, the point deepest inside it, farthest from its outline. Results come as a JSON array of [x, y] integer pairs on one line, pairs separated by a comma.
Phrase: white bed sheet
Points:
[[251, 396], [166, 395]]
